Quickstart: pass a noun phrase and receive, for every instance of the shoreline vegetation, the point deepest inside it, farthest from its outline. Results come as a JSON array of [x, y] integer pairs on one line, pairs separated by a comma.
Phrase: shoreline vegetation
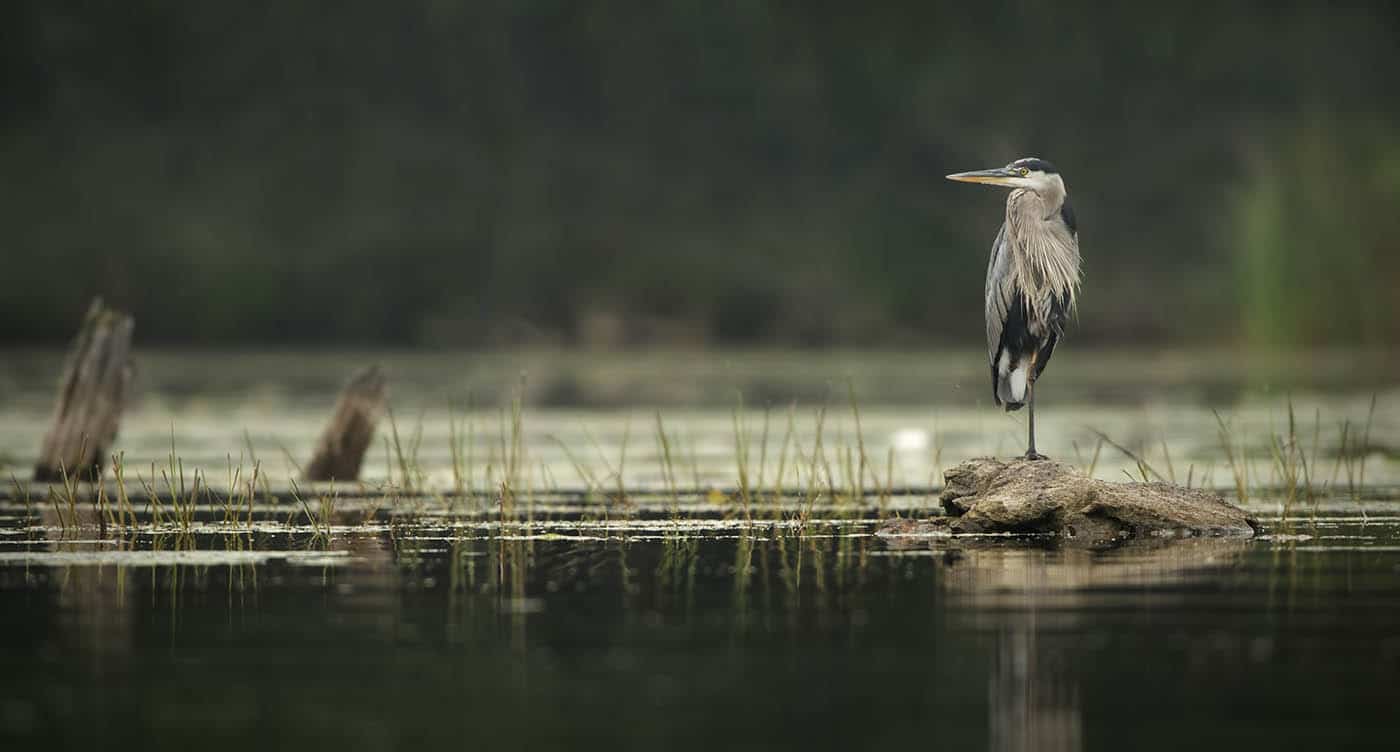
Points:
[[777, 475], [785, 191], [777, 468]]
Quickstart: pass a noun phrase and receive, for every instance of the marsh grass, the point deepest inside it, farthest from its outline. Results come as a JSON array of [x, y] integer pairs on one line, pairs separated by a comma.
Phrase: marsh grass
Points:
[[763, 447], [668, 467], [22, 491], [1352, 454], [622, 461], [411, 476], [593, 487], [613, 474], [818, 463], [1295, 461], [1235, 457], [1146, 472], [778, 486], [741, 458], [1093, 462], [858, 483], [512, 453], [828, 464]]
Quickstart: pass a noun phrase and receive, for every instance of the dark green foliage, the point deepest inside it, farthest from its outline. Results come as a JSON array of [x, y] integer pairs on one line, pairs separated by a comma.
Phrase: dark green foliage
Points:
[[491, 172]]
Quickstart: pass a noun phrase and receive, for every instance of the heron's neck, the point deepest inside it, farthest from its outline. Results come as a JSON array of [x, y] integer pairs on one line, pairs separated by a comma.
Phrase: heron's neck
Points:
[[1050, 196]]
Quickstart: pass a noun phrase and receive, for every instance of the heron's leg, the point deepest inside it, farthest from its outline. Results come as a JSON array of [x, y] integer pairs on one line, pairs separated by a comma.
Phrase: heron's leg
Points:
[[1031, 454]]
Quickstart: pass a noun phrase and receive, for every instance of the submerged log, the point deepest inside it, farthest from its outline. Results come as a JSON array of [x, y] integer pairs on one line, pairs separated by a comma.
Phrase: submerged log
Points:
[[1045, 497], [91, 395], [342, 446]]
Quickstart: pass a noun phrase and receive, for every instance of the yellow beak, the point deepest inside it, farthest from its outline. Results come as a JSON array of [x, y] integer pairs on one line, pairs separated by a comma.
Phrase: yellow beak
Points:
[[996, 176]]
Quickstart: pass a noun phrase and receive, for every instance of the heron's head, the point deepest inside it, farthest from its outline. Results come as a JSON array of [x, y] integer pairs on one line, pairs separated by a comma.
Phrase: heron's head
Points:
[[1029, 173]]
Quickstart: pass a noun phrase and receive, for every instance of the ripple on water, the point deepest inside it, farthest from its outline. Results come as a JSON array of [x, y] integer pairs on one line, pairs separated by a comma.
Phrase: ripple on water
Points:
[[170, 558]]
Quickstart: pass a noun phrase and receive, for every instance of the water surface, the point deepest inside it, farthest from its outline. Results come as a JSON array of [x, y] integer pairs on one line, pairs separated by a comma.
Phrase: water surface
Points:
[[607, 597], [639, 629]]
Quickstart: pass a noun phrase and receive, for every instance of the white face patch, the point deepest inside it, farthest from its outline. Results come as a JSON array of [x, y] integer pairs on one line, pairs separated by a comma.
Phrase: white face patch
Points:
[[1049, 185]]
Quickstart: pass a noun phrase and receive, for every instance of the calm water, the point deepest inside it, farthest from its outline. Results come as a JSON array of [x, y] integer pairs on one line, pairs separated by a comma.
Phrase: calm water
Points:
[[637, 631], [578, 622]]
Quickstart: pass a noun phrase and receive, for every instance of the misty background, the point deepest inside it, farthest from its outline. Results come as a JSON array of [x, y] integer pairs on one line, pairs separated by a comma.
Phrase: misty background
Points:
[[482, 174]]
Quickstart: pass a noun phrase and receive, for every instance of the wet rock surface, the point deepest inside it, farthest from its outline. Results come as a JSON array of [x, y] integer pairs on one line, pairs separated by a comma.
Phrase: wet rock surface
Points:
[[1051, 498]]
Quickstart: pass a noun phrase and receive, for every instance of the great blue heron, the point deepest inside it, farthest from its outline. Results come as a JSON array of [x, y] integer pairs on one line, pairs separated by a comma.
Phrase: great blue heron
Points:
[[1032, 280]]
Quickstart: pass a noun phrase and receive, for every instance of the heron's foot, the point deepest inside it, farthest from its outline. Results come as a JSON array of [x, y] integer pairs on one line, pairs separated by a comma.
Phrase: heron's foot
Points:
[[1034, 455]]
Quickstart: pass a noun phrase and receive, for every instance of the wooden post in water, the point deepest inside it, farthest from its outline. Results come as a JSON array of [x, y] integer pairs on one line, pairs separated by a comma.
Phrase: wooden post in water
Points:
[[91, 395], [342, 446]]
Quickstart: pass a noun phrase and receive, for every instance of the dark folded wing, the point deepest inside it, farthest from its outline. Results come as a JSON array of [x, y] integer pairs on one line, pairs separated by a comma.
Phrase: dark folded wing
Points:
[[1000, 294]]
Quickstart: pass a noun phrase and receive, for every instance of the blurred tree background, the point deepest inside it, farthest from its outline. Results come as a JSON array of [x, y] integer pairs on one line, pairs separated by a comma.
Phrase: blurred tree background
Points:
[[695, 172]]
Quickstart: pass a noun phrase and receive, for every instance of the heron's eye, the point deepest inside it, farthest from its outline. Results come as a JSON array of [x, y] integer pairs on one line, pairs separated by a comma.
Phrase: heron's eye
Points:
[[1024, 172]]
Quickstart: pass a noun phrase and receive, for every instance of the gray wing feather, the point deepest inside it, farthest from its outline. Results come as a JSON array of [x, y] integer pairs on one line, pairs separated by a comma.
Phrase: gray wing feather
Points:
[[1000, 292]]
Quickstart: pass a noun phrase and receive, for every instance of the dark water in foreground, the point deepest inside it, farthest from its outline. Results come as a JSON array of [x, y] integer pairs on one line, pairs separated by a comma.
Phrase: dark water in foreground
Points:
[[636, 633]]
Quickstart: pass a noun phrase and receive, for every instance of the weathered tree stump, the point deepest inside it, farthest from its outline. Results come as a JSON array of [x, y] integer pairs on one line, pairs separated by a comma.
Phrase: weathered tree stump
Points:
[[1044, 497], [342, 446], [91, 394]]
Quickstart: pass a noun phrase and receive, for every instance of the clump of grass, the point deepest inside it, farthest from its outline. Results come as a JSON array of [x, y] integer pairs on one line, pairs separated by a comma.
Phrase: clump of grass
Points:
[[863, 459], [320, 520], [182, 501], [1352, 452], [310, 517], [884, 497], [818, 463], [462, 451], [763, 448], [668, 468], [783, 457], [327, 504], [622, 461], [1365, 448], [234, 476], [124, 509], [512, 453], [58, 510], [411, 476], [23, 491], [70, 496], [741, 455], [1234, 458], [1144, 469], [1167, 458], [1093, 462], [1290, 464], [592, 486]]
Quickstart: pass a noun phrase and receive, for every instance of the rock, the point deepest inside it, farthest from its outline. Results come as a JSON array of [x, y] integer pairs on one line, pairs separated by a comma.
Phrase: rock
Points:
[[1052, 498]]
